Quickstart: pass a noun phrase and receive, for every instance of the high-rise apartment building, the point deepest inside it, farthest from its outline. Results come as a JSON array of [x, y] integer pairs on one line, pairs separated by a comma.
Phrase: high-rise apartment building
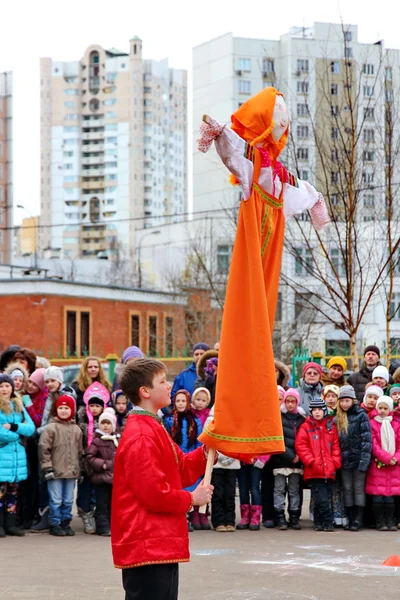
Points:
[[113, 150], [6, 168]]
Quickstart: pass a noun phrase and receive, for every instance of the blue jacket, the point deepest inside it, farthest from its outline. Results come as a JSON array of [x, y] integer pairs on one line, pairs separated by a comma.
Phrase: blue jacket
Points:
[[184, 446], [13, 463], [185, 380]]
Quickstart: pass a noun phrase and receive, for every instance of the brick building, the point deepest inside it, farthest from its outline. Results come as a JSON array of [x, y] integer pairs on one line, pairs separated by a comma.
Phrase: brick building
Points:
[[61, 319]]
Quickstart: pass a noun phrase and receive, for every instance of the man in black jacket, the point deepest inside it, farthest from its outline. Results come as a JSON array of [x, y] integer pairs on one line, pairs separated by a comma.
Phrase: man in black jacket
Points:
[[359, 379]]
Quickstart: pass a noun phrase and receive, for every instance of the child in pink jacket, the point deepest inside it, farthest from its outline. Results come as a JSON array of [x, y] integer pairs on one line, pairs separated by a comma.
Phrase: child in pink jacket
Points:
[[383, 479]]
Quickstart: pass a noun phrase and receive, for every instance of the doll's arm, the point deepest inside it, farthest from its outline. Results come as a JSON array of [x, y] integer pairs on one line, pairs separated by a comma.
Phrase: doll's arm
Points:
[[300, 196], [231, 149]]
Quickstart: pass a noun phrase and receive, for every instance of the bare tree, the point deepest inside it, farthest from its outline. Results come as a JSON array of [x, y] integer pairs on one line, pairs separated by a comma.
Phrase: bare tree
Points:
[[345, 265]]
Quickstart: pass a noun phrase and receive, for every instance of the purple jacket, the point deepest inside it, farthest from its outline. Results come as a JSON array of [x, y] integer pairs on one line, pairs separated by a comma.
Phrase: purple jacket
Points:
[[383, 481]]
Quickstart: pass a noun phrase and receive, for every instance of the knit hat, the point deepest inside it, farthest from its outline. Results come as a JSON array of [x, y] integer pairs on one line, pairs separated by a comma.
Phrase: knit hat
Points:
[[385, 400], [311, 365], [38, 378], [317, 403], [372, 348], [4, 378], [66, 401], [96, 400], [337, 360], [108, 415], [95, 394], [381, 371], [294, 393], [394, 388], [201, 389], [335, 389], [16, 373], [347, 391], [281, 391], [132, 352], [375, 390], [200, 346], [54, 373]]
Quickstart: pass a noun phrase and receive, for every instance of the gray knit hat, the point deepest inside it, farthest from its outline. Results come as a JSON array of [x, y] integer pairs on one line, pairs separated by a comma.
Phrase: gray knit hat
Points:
[[347, 391]]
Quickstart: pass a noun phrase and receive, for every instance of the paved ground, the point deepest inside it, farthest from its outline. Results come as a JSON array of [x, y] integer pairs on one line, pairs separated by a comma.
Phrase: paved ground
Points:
[[265, 565]]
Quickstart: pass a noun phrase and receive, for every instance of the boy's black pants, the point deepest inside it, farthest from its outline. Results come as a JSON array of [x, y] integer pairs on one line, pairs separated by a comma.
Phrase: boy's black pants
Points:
[[152, 582], [223, 499], [321, 494]]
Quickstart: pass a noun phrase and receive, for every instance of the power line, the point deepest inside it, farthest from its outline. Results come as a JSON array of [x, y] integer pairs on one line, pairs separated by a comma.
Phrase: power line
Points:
[[124, 220]]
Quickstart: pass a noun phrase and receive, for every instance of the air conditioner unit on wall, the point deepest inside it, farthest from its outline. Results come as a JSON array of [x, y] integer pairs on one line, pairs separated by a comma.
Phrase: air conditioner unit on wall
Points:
[[239, 73]]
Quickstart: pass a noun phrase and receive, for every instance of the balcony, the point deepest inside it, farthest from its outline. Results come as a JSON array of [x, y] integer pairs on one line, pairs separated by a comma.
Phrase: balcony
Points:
[[92, 172], [87, 197], [92, 185], [92, 160], [93, 135], [91, 147], [93, 123]]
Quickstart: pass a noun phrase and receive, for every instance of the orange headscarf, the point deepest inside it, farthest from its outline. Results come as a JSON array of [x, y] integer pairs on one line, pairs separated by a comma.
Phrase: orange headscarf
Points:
[[253, 122]]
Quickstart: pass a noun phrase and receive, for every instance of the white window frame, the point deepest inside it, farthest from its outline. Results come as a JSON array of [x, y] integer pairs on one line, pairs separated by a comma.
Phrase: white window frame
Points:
[[244, 86]]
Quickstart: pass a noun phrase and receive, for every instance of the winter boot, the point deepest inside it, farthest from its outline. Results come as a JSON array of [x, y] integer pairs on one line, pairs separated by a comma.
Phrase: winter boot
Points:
[[89, 525], [269, 524], [2, 531], [389, 517], [42, 525], [245, 517], [11, 526], [357, 519], [281, 521], [349, 511], [294, 520], [67, 528], [195, 519], [57, 531], [379, 514], [255, 517], [204, 521]]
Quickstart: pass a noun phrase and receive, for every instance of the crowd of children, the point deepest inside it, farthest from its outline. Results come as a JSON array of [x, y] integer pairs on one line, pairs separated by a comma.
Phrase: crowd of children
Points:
[[341, 441]]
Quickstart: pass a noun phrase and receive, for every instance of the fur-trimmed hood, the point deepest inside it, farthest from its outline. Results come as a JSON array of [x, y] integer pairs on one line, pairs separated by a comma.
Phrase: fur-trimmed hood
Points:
[[202, 363], [16, 365], [285, 373], [18, 404]]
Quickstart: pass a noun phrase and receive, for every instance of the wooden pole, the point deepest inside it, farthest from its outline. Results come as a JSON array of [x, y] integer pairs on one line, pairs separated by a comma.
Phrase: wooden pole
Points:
[[208, 473]]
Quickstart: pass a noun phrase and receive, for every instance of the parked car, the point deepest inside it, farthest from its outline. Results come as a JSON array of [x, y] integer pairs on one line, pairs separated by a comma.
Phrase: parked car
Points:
[[71, 372]]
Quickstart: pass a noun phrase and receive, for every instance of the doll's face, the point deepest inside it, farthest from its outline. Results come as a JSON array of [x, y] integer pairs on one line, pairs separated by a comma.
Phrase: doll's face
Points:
[[280, 118]]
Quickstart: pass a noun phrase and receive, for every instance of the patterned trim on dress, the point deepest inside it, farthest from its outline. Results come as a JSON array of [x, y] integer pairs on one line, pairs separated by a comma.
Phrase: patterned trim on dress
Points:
[[268, 216], [249, 152], [272, 438], [292, 179], [269, 199], [153, 562]]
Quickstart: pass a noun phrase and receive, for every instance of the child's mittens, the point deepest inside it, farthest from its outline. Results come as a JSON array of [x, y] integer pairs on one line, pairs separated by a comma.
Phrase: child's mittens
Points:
[[26, 401], [208, 133], [49, 475], [259, 464]]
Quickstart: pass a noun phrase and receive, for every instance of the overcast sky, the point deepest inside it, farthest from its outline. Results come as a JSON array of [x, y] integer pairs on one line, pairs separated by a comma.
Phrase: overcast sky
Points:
[[29, 30]]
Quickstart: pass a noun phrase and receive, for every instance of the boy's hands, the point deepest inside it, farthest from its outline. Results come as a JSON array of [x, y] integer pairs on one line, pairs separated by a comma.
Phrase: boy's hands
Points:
[[202, 494]]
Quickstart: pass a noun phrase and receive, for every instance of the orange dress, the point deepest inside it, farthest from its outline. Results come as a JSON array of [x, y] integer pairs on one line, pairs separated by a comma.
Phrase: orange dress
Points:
[[247, 420]]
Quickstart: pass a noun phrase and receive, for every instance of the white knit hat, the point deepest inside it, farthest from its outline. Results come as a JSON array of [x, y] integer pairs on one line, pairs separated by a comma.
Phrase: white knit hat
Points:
[[54, 373], [375, 390], [381, 371], [108, 414], [385, 400]]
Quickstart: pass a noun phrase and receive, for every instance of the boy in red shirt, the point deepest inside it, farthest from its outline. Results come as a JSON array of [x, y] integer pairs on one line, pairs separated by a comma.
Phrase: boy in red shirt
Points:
[[149, 532]]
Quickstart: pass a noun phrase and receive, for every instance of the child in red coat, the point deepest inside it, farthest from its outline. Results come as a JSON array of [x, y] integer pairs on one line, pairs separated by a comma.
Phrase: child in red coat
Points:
[[317, 446], [148, 527]]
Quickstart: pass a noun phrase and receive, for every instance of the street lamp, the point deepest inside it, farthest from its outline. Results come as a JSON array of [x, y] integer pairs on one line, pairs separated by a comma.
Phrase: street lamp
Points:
[[35, 233], [156, 232]]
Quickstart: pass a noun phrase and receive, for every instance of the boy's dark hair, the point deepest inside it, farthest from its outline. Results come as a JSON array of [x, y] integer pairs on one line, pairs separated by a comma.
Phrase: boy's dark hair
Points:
[[137, 374]]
